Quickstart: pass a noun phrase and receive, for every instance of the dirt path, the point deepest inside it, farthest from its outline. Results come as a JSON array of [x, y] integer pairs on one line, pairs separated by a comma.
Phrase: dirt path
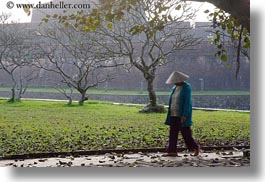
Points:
[[212, 159]]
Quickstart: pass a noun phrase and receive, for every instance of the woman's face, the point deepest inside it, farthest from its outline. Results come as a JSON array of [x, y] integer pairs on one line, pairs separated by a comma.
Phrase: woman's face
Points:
[[179, 84]]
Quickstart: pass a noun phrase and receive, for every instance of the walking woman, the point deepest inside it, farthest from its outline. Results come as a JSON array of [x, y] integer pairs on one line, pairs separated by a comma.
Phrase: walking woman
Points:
[[179, 116]]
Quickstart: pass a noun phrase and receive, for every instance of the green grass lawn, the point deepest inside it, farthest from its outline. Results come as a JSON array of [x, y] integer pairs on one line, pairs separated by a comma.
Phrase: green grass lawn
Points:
[[137, 92], [40, 126]]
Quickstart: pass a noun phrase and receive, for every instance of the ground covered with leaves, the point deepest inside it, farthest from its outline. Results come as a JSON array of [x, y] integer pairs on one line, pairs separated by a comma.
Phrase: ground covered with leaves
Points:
[[41, 126], [213, 159]]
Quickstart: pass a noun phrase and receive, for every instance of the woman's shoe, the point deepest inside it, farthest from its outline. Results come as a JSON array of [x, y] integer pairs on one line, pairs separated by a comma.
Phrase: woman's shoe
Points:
[[197, 152], [170, 155]]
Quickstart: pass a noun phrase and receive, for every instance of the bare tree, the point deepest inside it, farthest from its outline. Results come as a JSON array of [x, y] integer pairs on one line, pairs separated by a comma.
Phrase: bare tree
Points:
[[16, 55], [147, 44], [239, 17], [73, 56]]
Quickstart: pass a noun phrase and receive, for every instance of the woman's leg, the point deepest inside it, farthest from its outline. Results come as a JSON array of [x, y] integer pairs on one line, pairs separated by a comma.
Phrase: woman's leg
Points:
[[189, 140], [173, 134]]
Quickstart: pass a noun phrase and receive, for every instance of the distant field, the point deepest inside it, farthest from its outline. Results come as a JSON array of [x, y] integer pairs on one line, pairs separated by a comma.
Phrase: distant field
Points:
[[137, 92], [41, 126]]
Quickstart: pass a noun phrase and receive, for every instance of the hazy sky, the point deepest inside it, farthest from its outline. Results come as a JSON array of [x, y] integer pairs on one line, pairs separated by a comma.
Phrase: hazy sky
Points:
[[20, 15]]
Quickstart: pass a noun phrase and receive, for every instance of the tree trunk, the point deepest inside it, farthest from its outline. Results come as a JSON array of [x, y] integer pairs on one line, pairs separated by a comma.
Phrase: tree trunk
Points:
[[151, 92], [69, 101], [20, 92], [13, 95], [13, 89], [152, 106], [83, 98], [19, 96]]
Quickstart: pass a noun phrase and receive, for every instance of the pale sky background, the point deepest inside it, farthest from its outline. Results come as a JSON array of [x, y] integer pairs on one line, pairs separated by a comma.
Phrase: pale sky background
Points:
[[17, 14], [20, 16]]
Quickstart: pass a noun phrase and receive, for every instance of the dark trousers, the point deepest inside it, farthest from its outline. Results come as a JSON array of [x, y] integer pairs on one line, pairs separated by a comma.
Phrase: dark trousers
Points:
[[175, 127]]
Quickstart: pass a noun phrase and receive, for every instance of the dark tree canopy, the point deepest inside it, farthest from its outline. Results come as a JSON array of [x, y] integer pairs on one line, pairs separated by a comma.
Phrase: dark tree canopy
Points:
[[239, 9]]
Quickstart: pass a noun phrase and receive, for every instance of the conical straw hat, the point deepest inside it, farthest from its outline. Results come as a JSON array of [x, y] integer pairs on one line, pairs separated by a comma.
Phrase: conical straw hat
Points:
[[176, 77]]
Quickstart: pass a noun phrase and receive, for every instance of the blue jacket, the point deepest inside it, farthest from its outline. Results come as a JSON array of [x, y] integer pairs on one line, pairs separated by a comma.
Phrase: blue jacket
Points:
[[185, 104]]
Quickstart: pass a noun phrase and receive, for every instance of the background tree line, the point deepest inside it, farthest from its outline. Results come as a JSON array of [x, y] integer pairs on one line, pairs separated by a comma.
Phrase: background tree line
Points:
[[143, 36]]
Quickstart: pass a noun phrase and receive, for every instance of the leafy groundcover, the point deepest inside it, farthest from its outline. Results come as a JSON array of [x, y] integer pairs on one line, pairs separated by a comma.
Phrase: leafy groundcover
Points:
[[42, 126]]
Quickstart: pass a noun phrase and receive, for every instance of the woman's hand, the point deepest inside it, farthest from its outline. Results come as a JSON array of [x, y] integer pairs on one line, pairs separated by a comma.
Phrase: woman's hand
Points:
[[183, 119]]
